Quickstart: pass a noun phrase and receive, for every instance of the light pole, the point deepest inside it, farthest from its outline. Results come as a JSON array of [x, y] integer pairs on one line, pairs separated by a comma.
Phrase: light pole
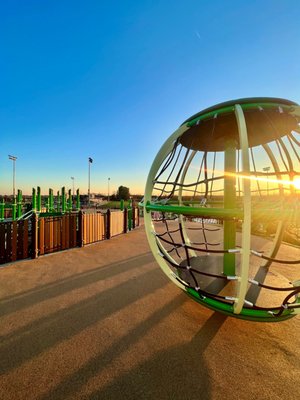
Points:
[[108, 189], [72, 177], [267, 169], [89, 188], [13, 158]]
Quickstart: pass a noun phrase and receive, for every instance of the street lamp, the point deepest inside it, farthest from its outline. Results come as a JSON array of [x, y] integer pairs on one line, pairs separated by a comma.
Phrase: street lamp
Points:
[[72, 177], [108, 182], [13, 158], [267, 169], [89, 188]]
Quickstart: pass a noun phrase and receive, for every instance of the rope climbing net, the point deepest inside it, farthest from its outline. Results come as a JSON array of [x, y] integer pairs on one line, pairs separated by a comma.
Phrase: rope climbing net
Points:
[[196, 211]]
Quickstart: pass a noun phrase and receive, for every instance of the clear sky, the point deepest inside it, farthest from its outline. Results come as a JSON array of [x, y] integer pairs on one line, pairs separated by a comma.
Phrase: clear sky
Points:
[[112, 80]]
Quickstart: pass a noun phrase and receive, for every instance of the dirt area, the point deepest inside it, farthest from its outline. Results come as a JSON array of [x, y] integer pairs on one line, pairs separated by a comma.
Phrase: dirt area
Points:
[[103, 322]]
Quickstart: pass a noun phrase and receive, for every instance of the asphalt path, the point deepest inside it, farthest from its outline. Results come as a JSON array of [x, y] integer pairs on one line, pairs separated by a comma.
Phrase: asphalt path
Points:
[[103, 322]]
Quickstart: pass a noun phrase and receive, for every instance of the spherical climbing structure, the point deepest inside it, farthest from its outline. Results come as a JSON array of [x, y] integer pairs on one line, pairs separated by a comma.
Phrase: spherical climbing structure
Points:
[[221, 208]]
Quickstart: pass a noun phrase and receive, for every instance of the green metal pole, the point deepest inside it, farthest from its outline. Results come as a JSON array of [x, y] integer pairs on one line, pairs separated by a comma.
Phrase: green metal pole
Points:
[[39, 199], [122, 205], [14, 210], [129, 215], [70, 200], [33, 200], [229, 203], [2, 207], [63, 200], [77, 200], [58, 202], [51, 201], [48, 204], [19, 203]]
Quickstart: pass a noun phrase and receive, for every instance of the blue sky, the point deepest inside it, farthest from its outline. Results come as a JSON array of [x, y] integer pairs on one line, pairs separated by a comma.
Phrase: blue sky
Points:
[[112, 80]]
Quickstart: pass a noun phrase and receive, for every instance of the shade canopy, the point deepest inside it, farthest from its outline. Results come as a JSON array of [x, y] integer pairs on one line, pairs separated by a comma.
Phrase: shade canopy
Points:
[[267, 119]]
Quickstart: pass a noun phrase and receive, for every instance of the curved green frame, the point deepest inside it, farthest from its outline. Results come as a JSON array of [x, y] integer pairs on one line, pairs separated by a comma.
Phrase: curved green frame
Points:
[[237, 309]]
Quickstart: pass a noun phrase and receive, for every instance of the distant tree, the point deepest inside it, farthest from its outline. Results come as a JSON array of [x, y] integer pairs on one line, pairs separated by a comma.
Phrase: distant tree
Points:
[[123, 193], [113, 197]]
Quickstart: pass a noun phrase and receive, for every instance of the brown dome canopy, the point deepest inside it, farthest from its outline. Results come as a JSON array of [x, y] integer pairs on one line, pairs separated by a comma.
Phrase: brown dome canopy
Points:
[[266, 118]]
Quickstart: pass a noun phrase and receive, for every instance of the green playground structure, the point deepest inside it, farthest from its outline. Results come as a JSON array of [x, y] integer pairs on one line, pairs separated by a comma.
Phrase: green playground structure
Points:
[[224, 172], [49, 205]]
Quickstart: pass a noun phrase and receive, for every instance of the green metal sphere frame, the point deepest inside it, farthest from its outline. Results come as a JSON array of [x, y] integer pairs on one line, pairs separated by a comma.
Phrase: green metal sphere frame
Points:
[[238, 308]]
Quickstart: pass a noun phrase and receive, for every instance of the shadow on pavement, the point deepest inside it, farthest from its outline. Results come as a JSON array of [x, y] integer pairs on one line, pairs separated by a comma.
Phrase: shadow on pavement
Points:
[[44, 333], [177, 373], [44, 292]]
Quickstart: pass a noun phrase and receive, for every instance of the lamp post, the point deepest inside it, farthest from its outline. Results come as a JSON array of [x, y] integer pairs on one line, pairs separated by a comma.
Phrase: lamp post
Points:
[[90, 160], [108, 189], [267, 169], [13, 158], [72, 177]]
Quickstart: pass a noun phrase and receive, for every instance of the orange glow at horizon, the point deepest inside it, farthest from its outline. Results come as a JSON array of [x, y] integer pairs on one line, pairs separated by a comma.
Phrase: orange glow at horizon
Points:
[[295, 183]]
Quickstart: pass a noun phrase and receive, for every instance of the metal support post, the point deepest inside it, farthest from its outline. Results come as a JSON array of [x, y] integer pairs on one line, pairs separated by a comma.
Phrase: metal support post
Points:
[[229, 203]]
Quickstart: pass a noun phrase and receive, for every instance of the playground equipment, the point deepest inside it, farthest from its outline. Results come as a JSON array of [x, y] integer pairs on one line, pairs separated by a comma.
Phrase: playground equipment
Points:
[[52, 206], [224, 176]]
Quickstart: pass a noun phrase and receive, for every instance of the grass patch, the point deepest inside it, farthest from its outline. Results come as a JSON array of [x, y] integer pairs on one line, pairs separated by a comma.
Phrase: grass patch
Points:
[[114, 205]]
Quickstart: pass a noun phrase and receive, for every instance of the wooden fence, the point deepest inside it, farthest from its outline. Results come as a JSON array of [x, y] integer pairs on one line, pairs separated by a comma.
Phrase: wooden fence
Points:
[[93, 227], [136, 217], [15, 241], [116, 223], [47, 234], [57, 233]]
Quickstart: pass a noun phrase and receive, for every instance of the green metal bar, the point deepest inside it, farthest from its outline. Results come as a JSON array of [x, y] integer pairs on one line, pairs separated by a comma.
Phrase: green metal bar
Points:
[[246, 313], [39, 199], [129, 214], [47, 205], [220, 213], [229, 232], [19, 203], [51, 200], [14, 210], [57, 202], [197, 202], [122, 205], [2, 207], [33, 200], [69, 205], [63, 200], [77, 200]]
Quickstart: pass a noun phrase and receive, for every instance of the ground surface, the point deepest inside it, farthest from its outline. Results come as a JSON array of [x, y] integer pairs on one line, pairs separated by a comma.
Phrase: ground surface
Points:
[[104, 322]]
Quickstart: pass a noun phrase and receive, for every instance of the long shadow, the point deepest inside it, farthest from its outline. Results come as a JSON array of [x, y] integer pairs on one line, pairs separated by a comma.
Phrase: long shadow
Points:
[[28, 298], [72, 384], [179, 373], [47, 332]]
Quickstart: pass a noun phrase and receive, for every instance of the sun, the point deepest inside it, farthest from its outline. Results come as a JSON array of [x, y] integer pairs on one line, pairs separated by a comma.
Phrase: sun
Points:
[[296, 183]]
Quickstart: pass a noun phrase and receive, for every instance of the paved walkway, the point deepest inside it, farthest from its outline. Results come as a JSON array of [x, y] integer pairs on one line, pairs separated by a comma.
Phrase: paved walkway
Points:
[[104, 322]]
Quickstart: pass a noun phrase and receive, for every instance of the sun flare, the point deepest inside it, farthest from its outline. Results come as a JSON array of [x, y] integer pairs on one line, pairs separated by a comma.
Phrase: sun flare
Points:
[[296, 183]]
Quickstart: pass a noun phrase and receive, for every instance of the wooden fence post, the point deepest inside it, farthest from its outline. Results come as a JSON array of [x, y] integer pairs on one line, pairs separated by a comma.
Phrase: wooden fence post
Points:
[[129, 217], [80, 239], [108, 222], [125, 220], [133, 217], [34, 236]]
